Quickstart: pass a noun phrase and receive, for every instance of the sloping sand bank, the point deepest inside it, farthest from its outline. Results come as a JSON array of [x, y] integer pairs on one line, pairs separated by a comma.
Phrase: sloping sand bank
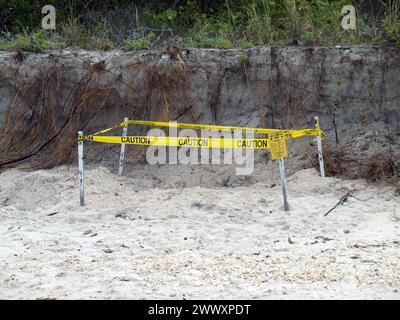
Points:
[[136, 242]]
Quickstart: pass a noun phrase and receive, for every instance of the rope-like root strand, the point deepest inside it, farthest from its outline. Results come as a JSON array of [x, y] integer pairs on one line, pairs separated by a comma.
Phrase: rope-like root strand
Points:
[[42, 121], [47, 111]]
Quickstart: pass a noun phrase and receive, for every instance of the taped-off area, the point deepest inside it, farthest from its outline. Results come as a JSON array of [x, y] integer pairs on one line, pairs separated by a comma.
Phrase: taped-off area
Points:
[[191, 142], [287, 134], [276, 140]]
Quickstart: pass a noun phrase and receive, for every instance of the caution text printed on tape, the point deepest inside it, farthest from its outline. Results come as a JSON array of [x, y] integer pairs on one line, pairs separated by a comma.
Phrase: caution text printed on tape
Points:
[[182, 141], [286, 133], [276, 140]]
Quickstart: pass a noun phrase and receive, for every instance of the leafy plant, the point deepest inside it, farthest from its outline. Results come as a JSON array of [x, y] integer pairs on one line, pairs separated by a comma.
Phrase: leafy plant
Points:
[[244, 44], [243, 58], [211, 42], [139, 44], [213, 23], [35, 42], [309, 38], [391, 21], [371, 84]]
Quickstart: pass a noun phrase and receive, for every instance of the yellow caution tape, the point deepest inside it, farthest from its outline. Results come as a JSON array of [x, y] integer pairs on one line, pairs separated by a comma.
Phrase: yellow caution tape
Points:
[[276, 140], [286, 133], [182, 141]]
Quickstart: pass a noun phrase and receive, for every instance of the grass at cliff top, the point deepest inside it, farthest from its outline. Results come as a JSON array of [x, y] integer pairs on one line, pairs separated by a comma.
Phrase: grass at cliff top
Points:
[[140, 25]]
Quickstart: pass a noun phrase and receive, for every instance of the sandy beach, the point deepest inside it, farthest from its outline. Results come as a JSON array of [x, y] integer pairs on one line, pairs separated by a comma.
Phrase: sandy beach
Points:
[[138, 238]]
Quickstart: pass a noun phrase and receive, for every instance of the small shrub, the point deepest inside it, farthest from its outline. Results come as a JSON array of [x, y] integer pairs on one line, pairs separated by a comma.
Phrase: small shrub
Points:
[[35, 42], [224, 43], [75, 36], [243, 58], [334, 159], [393, 32], [391, 20], [166, 17], [211, 42], [139, 44], [381, 167], [371, 84], [244, 44], [309, 38], [101, 43]]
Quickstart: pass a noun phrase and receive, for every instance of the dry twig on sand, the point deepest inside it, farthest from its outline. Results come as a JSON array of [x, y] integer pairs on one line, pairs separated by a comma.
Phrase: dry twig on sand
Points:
[[342, 200]]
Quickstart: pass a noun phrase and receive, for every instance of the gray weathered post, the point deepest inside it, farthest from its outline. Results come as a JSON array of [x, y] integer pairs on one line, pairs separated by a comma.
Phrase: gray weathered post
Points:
[[319, 146], [121, 168], [283, 182], [80, 165]]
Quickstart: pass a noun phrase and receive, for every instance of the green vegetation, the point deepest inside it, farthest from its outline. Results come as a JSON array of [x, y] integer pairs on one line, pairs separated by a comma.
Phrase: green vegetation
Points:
[[309, 38], [243, 58], [391, 21], [139, 24], [371, 84], [35, 42], [244, 44], [139, 44]]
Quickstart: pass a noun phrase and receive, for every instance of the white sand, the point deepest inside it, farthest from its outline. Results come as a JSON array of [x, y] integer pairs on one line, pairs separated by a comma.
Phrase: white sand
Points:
[[136, 241]]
